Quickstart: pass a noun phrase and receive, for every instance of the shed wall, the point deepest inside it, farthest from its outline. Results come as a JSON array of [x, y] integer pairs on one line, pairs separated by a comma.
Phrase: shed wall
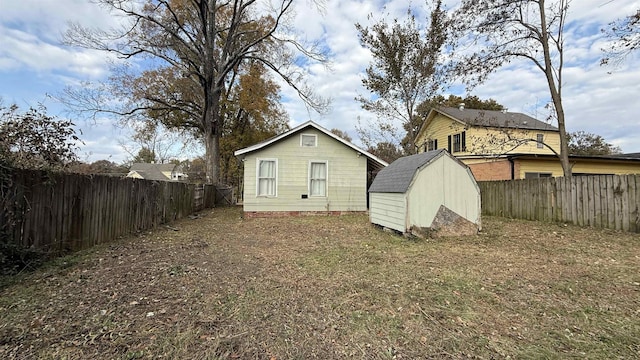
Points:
[[443, 182], [388, 209]]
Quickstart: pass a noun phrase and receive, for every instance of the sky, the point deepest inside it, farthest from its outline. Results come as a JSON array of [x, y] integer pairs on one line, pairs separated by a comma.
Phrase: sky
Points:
[[35, 67]]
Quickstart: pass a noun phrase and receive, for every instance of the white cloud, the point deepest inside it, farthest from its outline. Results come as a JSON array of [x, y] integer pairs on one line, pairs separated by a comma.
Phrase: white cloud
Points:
[[595, 101]]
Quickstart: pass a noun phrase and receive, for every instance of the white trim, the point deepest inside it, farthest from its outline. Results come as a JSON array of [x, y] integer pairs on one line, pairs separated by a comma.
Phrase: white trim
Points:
[[300, 127], [315, 140], [258, 160], [326, 178]]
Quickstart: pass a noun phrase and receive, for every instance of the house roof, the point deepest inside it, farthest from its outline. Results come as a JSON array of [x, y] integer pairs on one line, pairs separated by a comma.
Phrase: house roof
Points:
[[492, 118], [147, 166], [373, 161], [397, 177], [627, 155], [152, 171]]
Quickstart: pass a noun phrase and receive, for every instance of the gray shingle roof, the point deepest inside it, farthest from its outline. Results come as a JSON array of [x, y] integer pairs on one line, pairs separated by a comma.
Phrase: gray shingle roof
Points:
[[495, 118], [397, 177]]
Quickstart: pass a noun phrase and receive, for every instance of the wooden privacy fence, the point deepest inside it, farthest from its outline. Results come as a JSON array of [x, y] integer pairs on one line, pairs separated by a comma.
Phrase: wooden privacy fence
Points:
[[603, 201], [61, 212]]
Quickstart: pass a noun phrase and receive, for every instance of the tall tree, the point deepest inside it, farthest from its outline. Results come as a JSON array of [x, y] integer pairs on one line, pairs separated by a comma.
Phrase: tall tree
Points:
[[625, 36], [584, 143], [202, 43], [469, 101], [254, 113], [145, 155], [404, 71], [386, 151], [506, 30], [35, 140]]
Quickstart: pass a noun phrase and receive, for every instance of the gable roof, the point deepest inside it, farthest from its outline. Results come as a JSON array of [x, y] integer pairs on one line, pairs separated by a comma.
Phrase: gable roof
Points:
[[492, 118], [148, 166], [397, 177], [152, 171], [374, 161]]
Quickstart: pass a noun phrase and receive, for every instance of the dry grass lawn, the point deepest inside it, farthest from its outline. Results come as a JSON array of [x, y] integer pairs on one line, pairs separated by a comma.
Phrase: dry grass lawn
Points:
[[223, 287]]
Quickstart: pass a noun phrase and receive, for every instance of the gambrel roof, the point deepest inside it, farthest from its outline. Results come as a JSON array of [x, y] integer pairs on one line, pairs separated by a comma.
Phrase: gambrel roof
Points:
[[397, 177]]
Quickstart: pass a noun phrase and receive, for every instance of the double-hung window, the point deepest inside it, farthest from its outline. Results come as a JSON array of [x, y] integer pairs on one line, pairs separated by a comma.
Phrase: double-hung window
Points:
[[457, 142], [540, 141], [432, 144], [267, 175], [318, 178]]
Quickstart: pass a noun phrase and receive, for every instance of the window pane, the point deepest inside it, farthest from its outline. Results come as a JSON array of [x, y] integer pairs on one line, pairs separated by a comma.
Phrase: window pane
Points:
[[308, 140], [267, 178], [540, 139], [456, 143], [318, 179]]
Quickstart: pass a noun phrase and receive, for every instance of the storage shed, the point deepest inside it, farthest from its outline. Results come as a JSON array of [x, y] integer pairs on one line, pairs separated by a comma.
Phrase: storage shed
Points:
[[431, 190]]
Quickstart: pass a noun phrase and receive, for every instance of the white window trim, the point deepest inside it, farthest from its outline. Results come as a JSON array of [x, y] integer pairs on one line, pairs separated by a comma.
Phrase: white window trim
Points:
[[326, 179], [258, 160], [315, 143]]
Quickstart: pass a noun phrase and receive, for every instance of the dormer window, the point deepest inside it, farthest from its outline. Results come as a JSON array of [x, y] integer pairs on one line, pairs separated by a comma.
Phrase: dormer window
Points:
[[308, 140]]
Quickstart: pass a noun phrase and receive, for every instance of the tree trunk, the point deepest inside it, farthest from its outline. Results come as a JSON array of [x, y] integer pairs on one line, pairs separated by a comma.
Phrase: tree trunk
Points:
[[555, 90]]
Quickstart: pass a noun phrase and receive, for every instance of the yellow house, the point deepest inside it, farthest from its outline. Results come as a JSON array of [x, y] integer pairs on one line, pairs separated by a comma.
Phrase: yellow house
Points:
[[307, 169], [502, 145]]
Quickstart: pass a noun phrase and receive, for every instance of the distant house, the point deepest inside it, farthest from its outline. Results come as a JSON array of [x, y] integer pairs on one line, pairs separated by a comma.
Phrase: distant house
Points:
[[307, 169], [427, 190], [502, 145], [160, 172]]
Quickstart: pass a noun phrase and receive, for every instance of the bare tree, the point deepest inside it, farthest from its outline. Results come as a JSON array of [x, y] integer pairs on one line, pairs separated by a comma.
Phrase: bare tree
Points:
[[403, 73], [202, 43], [625, 34], [495, 32]]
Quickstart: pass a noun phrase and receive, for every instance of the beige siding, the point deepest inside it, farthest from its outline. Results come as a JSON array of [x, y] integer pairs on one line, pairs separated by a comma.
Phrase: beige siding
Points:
[[487, 141], [443, 182], [346, 176], [388, 209], [134, 175], [580, 166]]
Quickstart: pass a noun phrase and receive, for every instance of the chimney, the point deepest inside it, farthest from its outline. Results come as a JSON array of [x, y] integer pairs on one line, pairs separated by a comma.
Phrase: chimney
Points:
[[461, 106]]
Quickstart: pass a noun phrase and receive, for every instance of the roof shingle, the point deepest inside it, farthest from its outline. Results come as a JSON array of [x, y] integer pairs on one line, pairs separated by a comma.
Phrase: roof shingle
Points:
[[397, 177], [496, 118]]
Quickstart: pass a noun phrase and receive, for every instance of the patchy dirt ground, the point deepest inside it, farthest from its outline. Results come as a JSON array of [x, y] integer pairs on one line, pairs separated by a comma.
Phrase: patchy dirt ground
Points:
[[223, 287]]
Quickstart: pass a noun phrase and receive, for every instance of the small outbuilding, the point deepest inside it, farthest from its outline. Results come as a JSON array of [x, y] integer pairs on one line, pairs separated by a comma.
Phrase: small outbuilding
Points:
[[306, 170], [431, 191]]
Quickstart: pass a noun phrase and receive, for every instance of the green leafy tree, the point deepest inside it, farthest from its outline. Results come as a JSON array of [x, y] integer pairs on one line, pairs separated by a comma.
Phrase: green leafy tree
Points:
[[504, 31], [145, 155], [35, 140], [404, 72], [199, 47], [584, 143], [469, 101]]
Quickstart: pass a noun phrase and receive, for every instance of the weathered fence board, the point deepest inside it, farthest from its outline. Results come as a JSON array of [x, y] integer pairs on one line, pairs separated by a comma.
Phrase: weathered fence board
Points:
[[61, 212], [603, 201]]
